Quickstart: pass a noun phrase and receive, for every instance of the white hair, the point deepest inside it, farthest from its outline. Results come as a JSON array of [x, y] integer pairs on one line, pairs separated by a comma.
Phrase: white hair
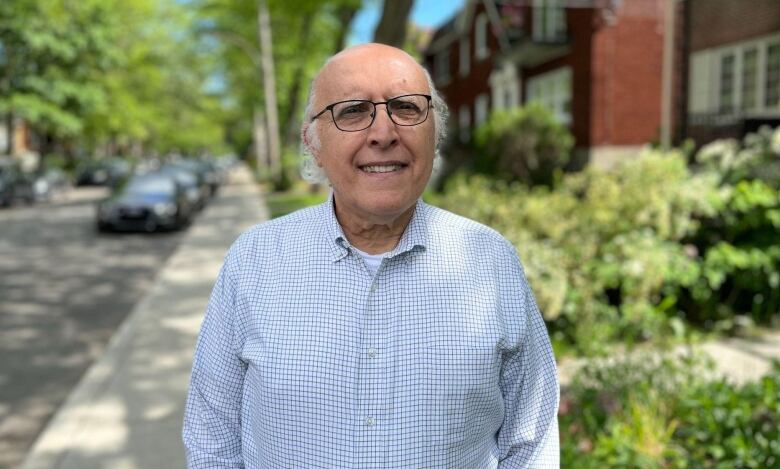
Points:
[[312, 173]]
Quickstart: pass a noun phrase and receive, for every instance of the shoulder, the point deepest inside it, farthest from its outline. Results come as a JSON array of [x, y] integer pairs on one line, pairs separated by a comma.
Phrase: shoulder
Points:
[[275, 238], [447, 228]]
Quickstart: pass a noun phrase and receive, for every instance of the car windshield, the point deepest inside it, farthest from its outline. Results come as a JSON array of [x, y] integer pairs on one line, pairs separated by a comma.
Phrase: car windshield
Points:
[[150, 186]]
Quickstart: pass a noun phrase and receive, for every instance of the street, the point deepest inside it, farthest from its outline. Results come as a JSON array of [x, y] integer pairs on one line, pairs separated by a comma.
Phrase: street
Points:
[[64, 289]]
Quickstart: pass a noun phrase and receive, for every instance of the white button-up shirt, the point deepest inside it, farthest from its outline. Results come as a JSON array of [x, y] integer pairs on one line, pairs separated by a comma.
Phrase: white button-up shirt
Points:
[[305, 359]]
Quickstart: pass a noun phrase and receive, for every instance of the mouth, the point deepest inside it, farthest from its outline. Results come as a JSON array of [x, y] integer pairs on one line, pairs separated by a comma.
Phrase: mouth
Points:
[[382, 168]]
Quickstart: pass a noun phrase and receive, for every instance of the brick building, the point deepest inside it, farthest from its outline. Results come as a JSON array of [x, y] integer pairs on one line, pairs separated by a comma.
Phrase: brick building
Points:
[[733, 65], [597, 64]]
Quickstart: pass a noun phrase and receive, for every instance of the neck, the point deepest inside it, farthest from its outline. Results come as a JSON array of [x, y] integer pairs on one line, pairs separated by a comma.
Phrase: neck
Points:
[[374, 236]]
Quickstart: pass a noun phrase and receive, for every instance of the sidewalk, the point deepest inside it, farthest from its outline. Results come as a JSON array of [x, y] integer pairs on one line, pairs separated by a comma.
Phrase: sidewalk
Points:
[[126, 412]]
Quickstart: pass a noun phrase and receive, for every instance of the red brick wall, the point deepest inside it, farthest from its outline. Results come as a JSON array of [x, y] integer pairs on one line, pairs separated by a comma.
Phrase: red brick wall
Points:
[[463, 91], [579, 23], [627, 62], [717, 22]]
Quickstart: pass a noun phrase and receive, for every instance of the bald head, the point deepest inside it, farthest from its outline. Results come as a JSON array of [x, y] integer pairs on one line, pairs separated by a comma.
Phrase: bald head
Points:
[[348, 74], [338, 74]]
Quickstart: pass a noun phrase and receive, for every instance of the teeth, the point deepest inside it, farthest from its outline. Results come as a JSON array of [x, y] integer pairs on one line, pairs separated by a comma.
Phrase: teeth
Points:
[[382, 169]]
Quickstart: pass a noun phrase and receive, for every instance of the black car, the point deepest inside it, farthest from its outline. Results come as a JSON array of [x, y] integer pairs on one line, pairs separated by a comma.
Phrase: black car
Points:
[[196, 189], [15, 185], [102, 172], [147, 202]]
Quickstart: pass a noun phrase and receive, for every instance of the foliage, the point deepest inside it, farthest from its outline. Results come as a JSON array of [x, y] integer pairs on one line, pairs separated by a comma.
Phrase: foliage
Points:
[[602, 250], [661, 411], [106, 76], [739, 245], [526, 144], [282, 203]]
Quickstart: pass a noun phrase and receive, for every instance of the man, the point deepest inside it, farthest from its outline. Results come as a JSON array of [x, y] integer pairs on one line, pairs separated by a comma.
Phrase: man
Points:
[[373, 331]]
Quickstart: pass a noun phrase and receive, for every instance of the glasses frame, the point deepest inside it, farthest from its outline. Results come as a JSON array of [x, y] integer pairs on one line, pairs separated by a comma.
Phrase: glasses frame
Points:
[[330, 107]]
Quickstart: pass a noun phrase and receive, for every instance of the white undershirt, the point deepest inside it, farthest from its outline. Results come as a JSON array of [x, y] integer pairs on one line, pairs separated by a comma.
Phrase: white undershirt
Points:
[[372, 260]]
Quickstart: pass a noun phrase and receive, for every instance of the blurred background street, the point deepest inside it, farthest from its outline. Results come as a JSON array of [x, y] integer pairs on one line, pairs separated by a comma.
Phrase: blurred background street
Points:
[[629, 149], [64, 289]]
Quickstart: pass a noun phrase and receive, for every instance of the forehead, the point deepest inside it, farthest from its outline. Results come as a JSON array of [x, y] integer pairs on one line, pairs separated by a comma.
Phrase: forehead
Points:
[[370, 76]]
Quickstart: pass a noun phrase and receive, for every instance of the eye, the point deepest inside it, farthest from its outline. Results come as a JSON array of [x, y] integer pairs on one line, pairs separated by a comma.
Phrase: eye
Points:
[[404, 105], [352, 110]]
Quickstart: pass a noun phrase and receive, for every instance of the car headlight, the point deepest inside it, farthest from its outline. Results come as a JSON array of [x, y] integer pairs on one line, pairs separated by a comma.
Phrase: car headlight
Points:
[[165, 209]]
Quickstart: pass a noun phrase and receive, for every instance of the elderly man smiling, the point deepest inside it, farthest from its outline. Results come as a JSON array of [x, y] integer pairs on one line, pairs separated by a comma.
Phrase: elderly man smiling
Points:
[[373, 331]]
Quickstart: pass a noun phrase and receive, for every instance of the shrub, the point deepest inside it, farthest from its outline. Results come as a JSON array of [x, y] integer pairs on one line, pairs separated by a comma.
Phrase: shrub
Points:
[[739, 243], [525, 144], [602, 250], [659, 412]]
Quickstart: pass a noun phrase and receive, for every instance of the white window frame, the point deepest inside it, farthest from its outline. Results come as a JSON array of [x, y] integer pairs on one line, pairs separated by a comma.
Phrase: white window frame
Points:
[[464, 123], [505, 85], [481, 106], [481, 50], [553, 90], [704, 97], [441, 66], [549, 20], [464, 62]]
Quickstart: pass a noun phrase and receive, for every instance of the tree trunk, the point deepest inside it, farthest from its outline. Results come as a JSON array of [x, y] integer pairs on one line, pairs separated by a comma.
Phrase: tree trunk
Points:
[[259, 140], [391, 29], [295, 90], [269, 88], [345, 14], [9, 128]]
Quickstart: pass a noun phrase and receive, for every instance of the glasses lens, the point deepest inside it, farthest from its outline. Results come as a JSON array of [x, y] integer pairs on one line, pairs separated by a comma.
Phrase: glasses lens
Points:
[[353, 115], [408, 110]]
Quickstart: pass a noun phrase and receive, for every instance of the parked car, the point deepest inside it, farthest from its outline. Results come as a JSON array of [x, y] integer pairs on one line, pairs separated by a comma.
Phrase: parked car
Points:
[[15, 185], [208, 175], [49, 183], [104, 172], [147, 202], [195, 188]]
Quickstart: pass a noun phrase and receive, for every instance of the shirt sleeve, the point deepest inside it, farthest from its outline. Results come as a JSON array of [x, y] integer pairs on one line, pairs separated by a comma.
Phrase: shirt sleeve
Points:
[[528, 437], [212, 417]]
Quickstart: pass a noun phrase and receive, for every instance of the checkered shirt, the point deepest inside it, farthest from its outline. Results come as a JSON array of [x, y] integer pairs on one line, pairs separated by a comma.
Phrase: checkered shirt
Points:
[[305, 360]]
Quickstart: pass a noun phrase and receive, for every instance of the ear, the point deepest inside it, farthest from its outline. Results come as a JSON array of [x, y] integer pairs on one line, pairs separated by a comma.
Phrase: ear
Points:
[[307, 144]]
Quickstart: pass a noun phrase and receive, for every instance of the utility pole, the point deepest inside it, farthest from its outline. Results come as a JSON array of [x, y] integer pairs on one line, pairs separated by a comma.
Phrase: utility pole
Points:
[[667, 76], [269, 88]]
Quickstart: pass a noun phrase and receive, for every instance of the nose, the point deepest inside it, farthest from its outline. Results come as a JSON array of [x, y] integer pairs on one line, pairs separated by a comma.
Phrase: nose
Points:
[[383, 133]]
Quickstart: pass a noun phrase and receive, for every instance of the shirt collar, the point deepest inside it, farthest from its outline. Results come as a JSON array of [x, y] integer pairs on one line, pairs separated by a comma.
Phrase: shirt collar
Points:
[[415, 236]]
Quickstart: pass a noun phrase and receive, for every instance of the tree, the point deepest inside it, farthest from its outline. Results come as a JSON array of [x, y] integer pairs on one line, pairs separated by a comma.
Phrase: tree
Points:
[[391, 28]]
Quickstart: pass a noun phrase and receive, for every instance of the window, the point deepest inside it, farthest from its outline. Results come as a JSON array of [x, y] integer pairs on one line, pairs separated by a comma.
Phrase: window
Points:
[[464, 123], [553, 91], [480, 40], [481, 109], [726, 92], [465, 57], [549, 20], [441, 66], [772, 91], [505, 87], [738, 79], [749, 78]]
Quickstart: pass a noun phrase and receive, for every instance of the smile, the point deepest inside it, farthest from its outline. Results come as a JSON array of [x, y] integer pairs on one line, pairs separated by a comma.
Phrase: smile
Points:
[[382, 168]]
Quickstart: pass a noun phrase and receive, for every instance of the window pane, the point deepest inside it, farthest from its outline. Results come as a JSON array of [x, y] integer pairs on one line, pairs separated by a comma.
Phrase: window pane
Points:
[[749, 77], [773, 76], [727, 84]]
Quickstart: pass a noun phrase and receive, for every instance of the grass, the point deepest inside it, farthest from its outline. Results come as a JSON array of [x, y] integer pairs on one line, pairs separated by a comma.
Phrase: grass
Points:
[[282, 203]]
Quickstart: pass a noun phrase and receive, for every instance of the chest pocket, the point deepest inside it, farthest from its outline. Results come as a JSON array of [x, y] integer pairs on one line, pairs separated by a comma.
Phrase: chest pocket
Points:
[[467, 396]]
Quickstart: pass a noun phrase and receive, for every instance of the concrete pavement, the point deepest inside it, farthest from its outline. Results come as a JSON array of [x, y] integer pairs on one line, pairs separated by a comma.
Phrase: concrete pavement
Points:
[[126, 412]]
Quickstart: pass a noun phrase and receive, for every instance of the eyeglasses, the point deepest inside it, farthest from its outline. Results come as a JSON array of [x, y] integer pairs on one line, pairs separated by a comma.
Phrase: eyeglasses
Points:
[[358, 114]]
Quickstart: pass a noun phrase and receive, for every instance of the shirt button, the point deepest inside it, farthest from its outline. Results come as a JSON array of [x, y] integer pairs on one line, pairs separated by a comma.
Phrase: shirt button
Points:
[[372, 352], [373, 287], [370, 421]]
